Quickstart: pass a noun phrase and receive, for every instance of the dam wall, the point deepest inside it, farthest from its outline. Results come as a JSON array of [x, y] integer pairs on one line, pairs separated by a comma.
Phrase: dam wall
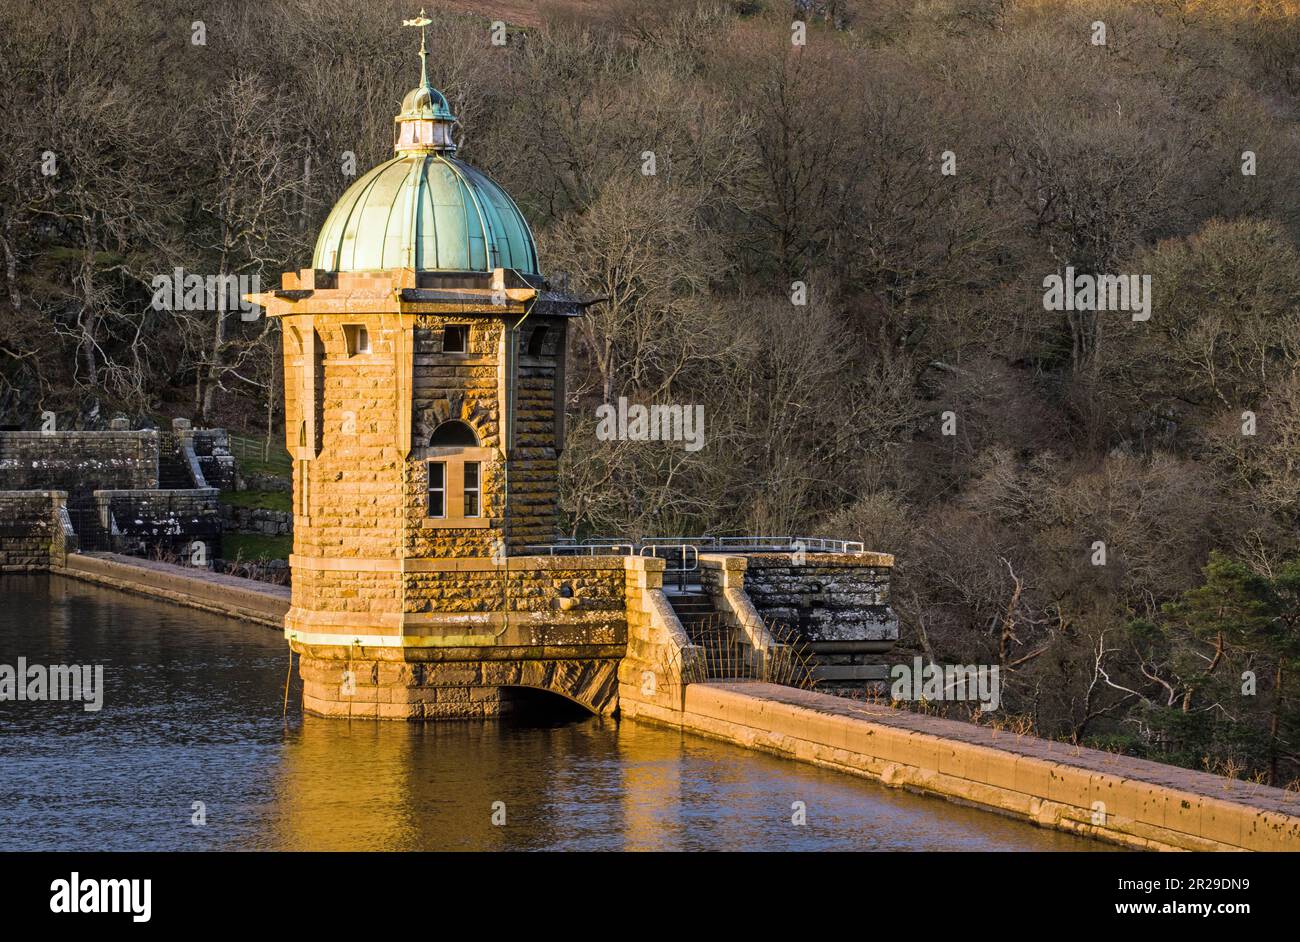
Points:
[[1120, 799], [1116, 798]]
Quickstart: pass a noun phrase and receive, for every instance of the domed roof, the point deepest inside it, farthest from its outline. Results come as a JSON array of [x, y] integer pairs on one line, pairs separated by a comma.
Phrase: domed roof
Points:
[[425, 101], [425, 210]]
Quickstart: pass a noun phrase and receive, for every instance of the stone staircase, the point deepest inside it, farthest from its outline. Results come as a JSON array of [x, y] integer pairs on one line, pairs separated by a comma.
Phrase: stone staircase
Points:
[[727, 655], [693, 610], [173, 472], [172, 475], [83, 514]]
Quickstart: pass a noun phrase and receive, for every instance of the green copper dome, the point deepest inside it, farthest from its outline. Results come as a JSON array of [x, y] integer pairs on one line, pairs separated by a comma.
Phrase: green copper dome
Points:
[[425, 101], [428, 211], [424, 209]]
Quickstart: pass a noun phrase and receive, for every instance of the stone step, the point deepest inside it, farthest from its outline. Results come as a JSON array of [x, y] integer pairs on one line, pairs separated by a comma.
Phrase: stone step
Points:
[[172, 475], [91, 535], [693, 607]]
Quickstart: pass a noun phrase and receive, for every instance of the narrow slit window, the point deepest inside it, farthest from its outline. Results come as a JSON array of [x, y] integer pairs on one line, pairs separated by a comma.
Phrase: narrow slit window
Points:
[[437, 489], [537, 341], [455, 338], [358, 339], [471, 489]]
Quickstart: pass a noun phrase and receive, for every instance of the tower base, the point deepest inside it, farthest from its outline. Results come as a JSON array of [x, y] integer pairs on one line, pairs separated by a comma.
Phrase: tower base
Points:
[[445, 684]]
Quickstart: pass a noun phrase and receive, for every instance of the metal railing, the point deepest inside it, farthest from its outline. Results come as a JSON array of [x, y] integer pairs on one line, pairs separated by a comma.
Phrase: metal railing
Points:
[[679, 558], [570, 548], [752, 544], [725, 654], [681, 554]]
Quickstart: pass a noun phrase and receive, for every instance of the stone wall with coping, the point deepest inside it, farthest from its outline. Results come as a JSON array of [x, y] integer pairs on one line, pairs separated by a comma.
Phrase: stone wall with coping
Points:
[[192, 586], [825, 597], [1120, 799], [32, 536], [78, 462], [722, 577], [660, 659], [172, 520]]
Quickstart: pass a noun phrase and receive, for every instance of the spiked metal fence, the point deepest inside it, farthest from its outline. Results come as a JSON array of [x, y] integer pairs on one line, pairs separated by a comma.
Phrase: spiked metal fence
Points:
[[725, 652]]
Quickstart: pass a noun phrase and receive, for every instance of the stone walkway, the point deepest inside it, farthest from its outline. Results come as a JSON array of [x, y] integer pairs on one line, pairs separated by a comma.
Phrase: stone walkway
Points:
[[1205, 784], [198, 588]]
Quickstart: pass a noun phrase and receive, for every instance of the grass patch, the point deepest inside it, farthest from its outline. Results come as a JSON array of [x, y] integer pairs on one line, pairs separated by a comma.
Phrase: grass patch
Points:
[[274, 468], [250, 546], [249, 455], [259, 500]]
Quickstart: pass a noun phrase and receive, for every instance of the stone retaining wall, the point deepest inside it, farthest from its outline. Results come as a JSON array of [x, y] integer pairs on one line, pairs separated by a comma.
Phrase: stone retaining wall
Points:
[[261, 520], [828, 597], [31, 535], [78, 462], [172, 520], [1115, 798], [834, 605]]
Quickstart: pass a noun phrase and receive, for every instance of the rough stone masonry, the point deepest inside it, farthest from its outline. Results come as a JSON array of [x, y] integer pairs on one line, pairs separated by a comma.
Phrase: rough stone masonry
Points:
[[424, 376]]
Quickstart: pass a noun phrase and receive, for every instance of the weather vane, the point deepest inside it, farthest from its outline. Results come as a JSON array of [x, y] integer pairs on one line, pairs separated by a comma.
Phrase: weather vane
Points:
[[421, 21]]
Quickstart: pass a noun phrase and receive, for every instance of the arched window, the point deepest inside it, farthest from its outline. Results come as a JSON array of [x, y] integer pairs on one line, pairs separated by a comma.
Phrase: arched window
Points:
[[453, 434], [537, 342], [456, 477]]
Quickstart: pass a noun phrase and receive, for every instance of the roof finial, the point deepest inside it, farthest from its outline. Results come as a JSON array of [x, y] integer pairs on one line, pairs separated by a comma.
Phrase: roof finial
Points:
[[425, 121], [421, 21]]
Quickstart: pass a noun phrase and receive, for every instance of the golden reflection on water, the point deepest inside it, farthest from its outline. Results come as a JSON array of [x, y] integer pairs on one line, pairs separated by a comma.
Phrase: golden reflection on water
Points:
[[193, 711], [593, 784]]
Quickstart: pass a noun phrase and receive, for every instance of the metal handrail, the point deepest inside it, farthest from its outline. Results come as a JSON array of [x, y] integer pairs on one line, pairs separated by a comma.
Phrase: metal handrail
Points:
[[756, 543], [684, 552], [575, 549], [681, 548]]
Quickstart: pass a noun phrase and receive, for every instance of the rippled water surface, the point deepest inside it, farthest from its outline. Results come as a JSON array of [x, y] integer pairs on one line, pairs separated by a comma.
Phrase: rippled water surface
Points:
[[193, 712]]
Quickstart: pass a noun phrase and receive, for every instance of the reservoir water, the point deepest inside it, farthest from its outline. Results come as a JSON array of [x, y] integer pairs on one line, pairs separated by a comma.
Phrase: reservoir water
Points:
[[193, 728]]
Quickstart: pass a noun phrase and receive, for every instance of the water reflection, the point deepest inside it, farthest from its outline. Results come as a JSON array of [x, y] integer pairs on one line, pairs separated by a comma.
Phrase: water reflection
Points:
[[193, 713]]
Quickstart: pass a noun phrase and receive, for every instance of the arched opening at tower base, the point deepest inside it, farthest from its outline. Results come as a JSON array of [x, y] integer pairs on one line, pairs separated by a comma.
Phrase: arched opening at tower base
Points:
[[385, 683], [533, 706]]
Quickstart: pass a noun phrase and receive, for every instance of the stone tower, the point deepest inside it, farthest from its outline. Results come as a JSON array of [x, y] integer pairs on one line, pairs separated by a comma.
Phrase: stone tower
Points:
[[424, 381], [424, 367]]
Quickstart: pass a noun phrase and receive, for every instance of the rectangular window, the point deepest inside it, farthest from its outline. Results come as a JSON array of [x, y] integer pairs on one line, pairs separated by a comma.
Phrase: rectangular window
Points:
[[437, 489], [455, 338], [357, 337], [471, 489]]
